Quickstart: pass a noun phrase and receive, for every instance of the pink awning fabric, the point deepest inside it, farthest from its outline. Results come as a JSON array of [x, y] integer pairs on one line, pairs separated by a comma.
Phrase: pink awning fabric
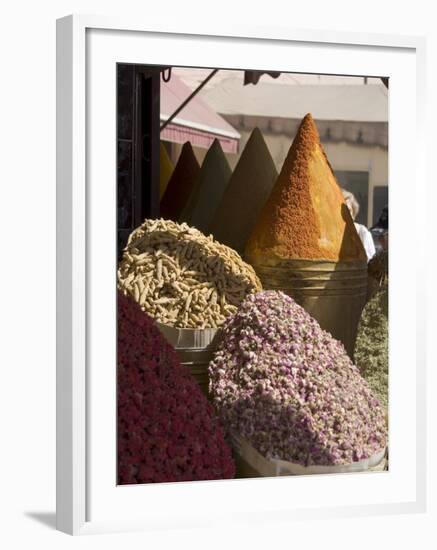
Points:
[[197, 122]]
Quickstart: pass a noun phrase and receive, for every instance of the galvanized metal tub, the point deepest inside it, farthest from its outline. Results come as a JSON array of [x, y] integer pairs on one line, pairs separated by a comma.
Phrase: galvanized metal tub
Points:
[[251, 463], [334, 293], [195, 348]]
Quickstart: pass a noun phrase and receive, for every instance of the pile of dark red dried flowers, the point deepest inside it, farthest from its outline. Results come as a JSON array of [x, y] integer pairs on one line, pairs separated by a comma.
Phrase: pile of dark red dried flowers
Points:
[[167, 430]]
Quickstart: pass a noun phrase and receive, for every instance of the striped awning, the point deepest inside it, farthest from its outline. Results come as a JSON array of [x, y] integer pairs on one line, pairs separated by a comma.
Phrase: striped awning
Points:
[[197, 122]]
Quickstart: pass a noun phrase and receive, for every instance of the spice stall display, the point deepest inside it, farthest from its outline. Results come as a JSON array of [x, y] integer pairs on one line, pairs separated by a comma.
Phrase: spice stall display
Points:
[[167, 431], [240, 292], [208, 189], [289, 389], [165, 169], [249, 187], [371, 348], [305, 242], [180, 184]]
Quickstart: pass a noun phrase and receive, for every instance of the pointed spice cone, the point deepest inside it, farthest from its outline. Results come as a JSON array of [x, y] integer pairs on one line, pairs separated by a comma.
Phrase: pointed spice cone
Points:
[[248, 189], [211, 182], [165, 169], [305, 216], [181, 184]]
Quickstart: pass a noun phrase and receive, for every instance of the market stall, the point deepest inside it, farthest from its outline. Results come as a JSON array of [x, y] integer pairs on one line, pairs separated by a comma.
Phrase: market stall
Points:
[[251, 283]]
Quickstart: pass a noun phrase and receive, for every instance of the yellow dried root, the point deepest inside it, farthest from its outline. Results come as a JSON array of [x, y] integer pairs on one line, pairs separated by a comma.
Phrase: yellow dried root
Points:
[[182, 277]]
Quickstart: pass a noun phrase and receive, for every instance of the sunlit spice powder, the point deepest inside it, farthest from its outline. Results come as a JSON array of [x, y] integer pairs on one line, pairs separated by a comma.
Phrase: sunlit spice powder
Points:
[[305, 216]]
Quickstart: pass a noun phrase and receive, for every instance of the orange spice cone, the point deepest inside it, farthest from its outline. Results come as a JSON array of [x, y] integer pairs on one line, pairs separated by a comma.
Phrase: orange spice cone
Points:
[[305, 216], [305, 243], [180, 184]]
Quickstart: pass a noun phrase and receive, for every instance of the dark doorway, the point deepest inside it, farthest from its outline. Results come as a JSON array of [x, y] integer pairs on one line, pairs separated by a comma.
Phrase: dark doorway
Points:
[[380, 199], [138, 111]]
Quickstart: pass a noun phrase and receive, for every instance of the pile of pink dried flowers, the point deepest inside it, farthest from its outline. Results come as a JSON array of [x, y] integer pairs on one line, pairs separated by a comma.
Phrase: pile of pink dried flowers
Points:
[[167, 430], [284, 384]]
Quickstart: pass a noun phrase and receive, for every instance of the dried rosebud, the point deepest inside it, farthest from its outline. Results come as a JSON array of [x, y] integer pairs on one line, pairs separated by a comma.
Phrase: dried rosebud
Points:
[[298, 397], [167, 430]]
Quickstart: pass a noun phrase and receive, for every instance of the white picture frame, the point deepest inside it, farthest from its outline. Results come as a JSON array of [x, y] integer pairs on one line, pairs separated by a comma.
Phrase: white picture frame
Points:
[[87, 499]]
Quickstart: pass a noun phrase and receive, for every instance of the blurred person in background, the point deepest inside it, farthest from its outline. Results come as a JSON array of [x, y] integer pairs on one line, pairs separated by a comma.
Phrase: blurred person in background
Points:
[[363, 232]]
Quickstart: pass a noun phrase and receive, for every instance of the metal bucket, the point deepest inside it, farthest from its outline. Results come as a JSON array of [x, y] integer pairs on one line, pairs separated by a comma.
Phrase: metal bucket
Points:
[[195, 348], [334, 293]]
